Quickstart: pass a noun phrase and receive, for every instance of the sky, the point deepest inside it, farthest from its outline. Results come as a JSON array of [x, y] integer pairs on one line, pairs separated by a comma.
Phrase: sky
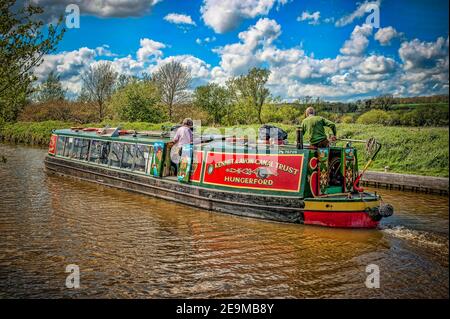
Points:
[[336, 49]]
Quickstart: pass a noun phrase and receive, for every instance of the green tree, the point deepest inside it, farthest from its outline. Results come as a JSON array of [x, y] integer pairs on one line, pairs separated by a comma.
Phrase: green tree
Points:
[[23, 43], [138, 101], [51, 89], [252, 87], [214, 99]]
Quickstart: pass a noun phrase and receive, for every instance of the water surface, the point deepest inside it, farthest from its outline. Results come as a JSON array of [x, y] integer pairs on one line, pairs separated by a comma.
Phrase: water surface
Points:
[[132, 246]]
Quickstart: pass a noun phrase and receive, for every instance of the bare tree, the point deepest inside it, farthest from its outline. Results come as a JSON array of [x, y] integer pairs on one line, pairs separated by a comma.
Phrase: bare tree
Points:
[[98, 85], [173, 79]]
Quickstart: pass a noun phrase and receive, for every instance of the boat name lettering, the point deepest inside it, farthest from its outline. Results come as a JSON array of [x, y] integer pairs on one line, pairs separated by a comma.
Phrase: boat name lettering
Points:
[[248, 180]]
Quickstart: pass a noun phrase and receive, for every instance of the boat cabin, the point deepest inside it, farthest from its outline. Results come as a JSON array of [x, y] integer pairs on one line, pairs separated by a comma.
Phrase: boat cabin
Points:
[[228, 164]]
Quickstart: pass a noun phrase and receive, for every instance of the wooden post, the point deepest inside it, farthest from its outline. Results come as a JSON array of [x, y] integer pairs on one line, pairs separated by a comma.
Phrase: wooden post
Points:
[[299, 138]]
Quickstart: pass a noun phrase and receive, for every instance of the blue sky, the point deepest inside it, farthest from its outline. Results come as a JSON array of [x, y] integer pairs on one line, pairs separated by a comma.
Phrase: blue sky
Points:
[[316, 48]]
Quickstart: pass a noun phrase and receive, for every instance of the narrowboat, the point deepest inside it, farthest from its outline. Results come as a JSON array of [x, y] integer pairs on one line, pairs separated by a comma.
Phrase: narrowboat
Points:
[[294, 183]]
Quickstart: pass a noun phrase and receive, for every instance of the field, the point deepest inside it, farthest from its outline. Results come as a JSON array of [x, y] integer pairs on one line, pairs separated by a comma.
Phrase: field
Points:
[[411, 150]]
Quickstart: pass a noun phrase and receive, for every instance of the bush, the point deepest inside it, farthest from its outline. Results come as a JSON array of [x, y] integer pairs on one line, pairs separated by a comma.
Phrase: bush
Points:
[[347, 119], [180, 112], [375, 117], [66, 111], [286, 114]]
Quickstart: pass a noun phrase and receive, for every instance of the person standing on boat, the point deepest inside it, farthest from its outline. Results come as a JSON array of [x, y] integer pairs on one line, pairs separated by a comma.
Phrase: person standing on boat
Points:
[[182, 137], [314, 126]]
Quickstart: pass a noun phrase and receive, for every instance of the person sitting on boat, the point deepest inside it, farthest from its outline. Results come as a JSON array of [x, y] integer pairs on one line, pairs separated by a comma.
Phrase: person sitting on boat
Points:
[[314, 126], [182, 137]]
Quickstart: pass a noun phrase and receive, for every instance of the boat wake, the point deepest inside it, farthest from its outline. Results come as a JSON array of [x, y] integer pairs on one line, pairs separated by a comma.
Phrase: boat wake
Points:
[[417, 237]]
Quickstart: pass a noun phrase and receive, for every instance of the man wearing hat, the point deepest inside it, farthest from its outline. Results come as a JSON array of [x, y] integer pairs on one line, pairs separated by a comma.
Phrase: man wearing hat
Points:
[[182, 137]]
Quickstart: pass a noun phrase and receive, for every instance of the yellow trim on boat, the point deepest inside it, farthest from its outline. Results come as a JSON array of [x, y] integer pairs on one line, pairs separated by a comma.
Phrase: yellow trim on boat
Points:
[[340, 206]]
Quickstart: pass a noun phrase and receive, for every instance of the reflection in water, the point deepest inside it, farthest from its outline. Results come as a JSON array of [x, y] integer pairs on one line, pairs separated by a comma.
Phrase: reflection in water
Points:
[[129, 245]]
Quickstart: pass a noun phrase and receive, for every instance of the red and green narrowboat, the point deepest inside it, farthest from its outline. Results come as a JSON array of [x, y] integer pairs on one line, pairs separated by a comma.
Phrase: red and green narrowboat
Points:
[[287, 183]]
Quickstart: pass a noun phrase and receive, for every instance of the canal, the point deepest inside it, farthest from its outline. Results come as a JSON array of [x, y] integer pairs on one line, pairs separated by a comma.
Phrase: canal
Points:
[[131, 246]]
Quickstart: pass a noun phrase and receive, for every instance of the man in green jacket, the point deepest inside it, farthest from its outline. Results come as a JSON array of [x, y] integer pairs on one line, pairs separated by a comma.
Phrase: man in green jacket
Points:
[[314, 127]]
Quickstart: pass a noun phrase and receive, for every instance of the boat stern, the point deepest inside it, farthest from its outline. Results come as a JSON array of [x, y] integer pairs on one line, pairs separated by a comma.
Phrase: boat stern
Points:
[[361, 210]]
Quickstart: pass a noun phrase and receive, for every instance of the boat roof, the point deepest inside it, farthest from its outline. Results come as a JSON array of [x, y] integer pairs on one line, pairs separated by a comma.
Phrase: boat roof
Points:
[[144, 138]]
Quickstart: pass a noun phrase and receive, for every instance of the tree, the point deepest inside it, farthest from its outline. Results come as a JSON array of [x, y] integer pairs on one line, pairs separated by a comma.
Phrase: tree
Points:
[[173, 80], [252, 87], [138, 101], [214, 99], [23, 43], [51, 89], [384, 102], [98, 85]]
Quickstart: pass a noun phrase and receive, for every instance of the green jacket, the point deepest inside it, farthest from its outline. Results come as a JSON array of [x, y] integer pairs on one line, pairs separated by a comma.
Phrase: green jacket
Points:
[[314, 127]]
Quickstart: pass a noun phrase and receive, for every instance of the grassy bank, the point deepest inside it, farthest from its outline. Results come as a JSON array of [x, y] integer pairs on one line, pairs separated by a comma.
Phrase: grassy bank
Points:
[[410, 150]]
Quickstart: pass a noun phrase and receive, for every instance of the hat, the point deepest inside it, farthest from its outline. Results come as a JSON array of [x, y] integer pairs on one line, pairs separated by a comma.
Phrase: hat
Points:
[[187, 121]]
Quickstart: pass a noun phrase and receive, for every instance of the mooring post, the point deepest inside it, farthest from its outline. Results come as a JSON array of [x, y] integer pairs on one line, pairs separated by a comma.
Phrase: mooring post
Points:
[[299, 138]]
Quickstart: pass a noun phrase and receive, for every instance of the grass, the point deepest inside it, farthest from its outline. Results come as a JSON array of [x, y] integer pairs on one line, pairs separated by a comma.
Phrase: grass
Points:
[[411, 150]]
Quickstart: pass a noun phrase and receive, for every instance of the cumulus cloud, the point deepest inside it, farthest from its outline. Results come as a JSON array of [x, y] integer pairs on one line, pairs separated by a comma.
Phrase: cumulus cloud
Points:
[[358, 41], [385, 35], [360, 11], [239, 57], [312, 18], [377, 65], [103, 8], [68, 65], [351, 74], [179, 19], [223, 16], [417, 55], [104, 51], [421, 67], [149, 49]]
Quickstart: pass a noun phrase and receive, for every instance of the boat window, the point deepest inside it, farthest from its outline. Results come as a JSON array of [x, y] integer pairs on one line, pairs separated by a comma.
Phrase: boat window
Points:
[[76, 148], [115, 155], [68, 146], [129, 152], [99, 152], [84, 150], [60, 145], [142, 156]]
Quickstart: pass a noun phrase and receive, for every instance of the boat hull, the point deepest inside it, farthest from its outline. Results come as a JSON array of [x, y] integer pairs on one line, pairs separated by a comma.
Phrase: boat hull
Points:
[[341, 211], [269, 207], [276, 208]]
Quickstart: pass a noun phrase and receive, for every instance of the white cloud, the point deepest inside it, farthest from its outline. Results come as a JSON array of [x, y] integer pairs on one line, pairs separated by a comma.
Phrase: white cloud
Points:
[[205, 40], [68, 65], [358, 41], [377, 65], [239, 57], [104, 50], [417, 55], [103, 8], [312, 18], [179, 19], [361, 10], [421, 67], [149, 50], [223, 16], [385, 35]]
